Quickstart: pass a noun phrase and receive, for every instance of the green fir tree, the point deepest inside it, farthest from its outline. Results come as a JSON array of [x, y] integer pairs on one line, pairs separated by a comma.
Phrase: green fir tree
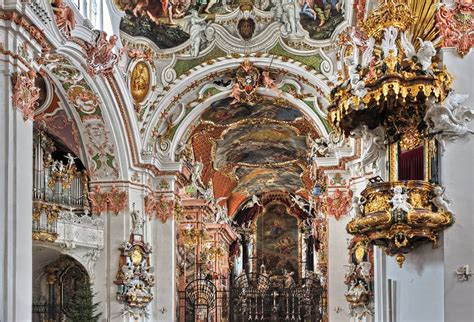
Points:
[[82, 308]]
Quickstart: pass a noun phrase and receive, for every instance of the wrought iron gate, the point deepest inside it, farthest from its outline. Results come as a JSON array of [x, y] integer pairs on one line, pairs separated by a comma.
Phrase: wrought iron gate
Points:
[[200, 301], [257, 297]]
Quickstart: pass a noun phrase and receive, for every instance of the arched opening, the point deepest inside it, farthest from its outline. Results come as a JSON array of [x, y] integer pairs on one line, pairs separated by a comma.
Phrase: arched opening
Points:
[[57, 279]]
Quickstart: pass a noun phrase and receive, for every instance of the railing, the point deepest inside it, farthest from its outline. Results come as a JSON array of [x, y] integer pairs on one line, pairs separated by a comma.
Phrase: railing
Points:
[[47, 313], [257, 297], [53, 223]]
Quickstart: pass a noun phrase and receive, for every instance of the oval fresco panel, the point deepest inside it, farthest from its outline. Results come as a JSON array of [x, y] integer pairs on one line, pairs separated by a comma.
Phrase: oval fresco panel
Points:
[[321, 17], [140, 81]]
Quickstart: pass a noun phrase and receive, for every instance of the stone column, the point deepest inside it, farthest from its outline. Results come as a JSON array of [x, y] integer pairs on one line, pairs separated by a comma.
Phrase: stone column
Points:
[[16, 180]]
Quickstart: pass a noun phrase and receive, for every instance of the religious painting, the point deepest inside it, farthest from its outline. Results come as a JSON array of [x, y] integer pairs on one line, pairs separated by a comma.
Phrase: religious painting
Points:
[[260, 143], [140, 81], [255, 180], [277, 241], [220, 113], [170, 23], [321, 17]]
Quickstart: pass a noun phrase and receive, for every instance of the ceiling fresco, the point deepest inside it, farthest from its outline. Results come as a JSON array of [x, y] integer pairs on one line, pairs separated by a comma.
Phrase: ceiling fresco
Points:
[[260, 143], [220, 113], [321, 17], [249, 150], [170, 24], [257, 180]]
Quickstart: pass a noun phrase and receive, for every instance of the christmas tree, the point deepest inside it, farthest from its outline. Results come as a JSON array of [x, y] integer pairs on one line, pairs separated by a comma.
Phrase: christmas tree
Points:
[[82, 308]]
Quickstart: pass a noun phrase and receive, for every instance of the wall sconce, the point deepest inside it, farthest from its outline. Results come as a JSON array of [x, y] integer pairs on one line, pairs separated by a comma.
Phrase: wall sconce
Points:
[[463, 273], [163, 310]]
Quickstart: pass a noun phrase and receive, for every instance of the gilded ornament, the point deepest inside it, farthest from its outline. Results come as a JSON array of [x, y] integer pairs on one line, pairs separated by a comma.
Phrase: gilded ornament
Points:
[[140, 81], [399, 215]]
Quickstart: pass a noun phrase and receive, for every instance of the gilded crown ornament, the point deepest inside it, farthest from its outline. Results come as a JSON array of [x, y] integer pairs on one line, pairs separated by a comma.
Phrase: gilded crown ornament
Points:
[[394, 13]]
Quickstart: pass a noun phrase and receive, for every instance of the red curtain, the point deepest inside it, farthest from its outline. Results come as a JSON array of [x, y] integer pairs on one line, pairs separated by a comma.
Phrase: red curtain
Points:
[[411, 164]]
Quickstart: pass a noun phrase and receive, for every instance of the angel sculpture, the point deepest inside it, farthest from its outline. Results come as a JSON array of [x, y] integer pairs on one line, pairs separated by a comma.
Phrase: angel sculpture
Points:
[[448, 121], [389, 42], [440, 200], [288, 279], [364, 270], [374, 146], [221, 215], [196, 26], [70, 162], [300, 202], [354, 64], [320, 147], [137, 222], [424, 55], [252, 202], [64, 17], [350, 272], [400, 200], [268, 82], [356, 207], [196, 174], [128, 273]]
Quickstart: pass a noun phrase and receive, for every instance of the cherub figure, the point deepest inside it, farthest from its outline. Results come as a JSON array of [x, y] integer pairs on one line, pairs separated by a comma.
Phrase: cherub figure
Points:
[[400, 200], [440, 200]]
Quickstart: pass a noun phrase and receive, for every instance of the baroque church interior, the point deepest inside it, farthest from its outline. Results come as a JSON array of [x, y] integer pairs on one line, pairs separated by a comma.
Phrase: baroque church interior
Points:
[[237, 160]]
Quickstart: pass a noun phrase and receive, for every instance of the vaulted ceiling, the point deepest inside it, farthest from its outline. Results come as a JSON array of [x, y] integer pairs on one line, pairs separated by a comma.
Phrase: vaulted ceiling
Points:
[[255, 149]]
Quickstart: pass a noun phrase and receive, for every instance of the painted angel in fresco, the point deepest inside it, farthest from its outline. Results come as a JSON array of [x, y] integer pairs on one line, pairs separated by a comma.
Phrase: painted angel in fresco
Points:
[[319, 9], [156, 9]]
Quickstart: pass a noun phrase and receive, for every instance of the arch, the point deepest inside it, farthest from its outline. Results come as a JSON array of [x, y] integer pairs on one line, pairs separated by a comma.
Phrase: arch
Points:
[[314, 84]]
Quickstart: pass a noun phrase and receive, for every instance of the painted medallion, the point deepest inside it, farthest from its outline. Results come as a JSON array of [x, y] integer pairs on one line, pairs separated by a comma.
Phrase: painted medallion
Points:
[[140, 81]]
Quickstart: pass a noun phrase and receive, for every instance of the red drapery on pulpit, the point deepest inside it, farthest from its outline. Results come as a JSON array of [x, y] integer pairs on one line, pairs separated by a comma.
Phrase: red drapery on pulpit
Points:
[[411, 164]]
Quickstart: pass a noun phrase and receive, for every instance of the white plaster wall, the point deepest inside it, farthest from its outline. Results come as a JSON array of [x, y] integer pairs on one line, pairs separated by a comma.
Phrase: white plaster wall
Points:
[[458, 177], [164, 262], [419, 285], [337, 259]]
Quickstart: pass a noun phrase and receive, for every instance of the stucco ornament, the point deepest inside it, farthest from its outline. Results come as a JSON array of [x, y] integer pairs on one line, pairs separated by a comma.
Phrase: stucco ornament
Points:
[[25, 93], [162, 208], [355, 63], [455, 23], [338, 203], [101, 58], [448, 120], [113, 200]]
